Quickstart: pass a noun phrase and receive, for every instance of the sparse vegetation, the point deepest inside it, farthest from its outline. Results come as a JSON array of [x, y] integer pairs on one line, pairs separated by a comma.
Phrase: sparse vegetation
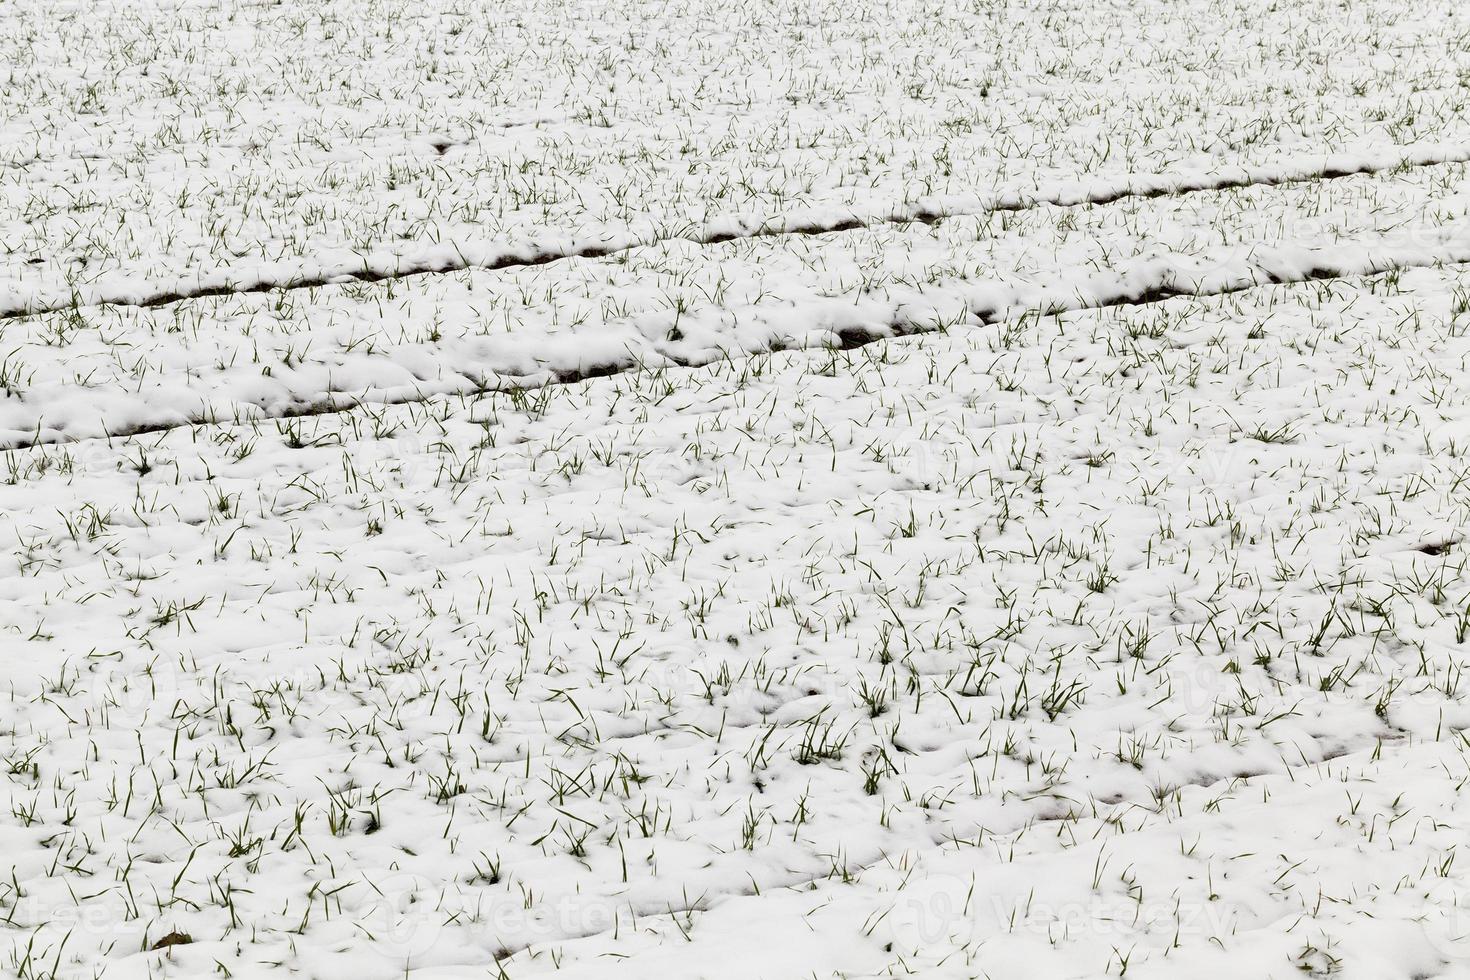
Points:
[[911, 490]]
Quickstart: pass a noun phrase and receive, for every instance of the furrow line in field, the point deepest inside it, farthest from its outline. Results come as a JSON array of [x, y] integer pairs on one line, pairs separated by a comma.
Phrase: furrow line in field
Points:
[[494, 256], [845, 322]]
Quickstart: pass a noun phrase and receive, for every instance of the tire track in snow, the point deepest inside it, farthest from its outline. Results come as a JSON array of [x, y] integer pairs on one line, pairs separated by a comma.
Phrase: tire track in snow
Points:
[[835, 322], [490, 257]]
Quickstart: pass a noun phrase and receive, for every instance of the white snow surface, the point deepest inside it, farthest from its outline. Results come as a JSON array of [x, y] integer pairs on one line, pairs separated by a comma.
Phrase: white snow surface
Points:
[[746, 490]]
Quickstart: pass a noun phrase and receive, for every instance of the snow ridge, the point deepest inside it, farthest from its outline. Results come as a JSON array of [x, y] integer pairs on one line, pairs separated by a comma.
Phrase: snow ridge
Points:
[[376, 266], [54, 413]]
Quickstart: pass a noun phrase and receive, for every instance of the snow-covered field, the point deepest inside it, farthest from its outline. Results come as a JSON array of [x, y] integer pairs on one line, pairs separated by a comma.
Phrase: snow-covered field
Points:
[[744, 489]]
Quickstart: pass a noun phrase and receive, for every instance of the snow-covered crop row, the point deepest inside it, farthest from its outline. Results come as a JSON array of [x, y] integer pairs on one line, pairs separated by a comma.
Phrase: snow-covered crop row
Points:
[[115, 369]]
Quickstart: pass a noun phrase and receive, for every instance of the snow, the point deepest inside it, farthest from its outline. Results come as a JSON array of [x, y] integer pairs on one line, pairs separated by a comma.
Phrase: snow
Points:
[[736, 491]]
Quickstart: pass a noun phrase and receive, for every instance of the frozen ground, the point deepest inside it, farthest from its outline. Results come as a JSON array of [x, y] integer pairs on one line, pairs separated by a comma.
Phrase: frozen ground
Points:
[[734, 490]]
